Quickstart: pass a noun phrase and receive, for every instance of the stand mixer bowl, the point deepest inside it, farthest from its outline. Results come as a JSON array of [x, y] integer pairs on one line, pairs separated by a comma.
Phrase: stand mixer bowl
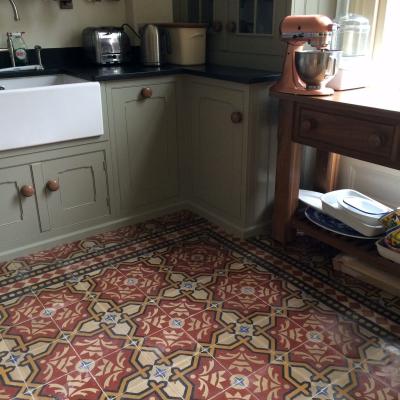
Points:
[[316, 67]]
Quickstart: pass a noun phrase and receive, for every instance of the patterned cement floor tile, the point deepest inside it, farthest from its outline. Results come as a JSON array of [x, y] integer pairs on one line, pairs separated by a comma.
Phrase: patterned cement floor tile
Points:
[[78, 385], [147, 278], [233, 394], [357, 385], [176, 309], [51, 363], [19, 310], [246, 303]]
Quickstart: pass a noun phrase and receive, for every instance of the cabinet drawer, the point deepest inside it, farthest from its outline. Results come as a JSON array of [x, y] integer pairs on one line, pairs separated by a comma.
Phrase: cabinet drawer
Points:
[[353, 136]]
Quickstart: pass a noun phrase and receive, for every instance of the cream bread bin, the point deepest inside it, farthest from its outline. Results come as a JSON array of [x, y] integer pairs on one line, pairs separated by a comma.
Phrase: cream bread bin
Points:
[[187, 43]]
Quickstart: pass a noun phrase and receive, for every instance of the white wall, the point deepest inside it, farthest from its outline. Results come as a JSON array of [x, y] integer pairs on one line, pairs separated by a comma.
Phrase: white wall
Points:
[[151, 11], [373, 180], [47, 25], [140, 12]]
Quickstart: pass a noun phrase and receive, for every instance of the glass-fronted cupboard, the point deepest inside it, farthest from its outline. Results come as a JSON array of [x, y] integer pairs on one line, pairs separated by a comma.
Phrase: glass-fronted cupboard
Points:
[[238, 26]]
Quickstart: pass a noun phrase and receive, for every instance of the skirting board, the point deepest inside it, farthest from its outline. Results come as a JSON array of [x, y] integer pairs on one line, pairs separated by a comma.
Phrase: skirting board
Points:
[[86, 232], [230, 227], [118, 223]]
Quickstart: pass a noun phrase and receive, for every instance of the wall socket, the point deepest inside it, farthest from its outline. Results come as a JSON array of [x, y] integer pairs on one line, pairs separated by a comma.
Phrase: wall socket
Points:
[[66, 4]]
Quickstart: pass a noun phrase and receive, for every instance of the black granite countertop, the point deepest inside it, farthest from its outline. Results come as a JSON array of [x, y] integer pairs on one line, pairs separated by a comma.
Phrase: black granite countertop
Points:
[[72, 60], [102, 74], [233, 74]]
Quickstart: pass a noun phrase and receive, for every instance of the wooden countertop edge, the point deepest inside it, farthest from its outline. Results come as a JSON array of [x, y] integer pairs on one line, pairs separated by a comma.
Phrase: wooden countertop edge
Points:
[[365, 99]]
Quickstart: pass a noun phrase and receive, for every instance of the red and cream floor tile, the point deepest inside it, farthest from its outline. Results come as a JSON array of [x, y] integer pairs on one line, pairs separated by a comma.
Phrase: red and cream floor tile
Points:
[[359, 385], [176, 309], [78, 385]]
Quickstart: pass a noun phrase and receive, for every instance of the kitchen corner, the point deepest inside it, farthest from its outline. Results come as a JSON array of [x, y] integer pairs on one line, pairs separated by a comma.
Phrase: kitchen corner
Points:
[[181, 218], [145, 110]]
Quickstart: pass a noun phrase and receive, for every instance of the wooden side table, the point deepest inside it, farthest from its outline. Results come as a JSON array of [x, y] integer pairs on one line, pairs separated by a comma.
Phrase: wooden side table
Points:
[[361, 123]]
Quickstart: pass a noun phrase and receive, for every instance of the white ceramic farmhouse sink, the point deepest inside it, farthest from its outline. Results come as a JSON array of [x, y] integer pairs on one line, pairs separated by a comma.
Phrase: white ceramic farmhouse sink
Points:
[[48, 109]]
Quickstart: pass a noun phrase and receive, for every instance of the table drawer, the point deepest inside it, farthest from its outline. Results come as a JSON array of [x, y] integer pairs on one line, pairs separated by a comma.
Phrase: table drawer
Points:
[[354, 136]]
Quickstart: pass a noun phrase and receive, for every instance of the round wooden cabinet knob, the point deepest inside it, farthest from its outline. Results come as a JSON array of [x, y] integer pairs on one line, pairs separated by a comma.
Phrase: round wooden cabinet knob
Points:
[[53, 185], [375, 140], [147, 92], [237, 117], [27, 190], [217, 26], [307, 125], [231, 27]]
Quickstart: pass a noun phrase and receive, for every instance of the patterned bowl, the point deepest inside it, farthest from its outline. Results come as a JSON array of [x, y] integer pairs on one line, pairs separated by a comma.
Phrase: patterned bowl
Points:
[[391, 220], [392, 239]]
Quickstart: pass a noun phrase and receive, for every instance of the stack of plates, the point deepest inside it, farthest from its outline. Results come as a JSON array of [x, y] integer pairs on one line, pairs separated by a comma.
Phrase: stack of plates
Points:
[[346, 212]]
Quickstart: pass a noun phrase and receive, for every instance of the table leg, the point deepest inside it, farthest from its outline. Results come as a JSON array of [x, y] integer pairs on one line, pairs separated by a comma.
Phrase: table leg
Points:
[[288, 170], [326, 171]]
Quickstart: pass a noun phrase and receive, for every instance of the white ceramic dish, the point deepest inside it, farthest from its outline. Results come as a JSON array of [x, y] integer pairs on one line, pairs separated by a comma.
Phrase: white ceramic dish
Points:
[[311, 198], [332, 224], [385, 252], [362, 207], [332, 207]]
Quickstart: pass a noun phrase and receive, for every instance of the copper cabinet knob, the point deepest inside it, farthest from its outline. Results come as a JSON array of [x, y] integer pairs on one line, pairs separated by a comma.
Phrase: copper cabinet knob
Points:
[[27, 190], [146, 92], [307, 125], [231, 27], [52, 185], [375, 140], [217, 26], [237, 117]]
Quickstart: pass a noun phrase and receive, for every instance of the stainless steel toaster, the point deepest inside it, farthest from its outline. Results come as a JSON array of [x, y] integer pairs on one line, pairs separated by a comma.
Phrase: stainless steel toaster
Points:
[[106, 45]]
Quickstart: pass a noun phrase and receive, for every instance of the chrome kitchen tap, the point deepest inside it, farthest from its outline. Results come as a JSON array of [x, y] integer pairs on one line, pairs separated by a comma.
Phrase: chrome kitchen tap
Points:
[[15, 10], [10, 50]]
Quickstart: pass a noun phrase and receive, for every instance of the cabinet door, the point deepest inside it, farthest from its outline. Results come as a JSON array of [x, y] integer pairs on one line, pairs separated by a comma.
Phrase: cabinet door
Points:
[[146, 141], [218, 148], [253, 26], [18, 217], [73, 190]]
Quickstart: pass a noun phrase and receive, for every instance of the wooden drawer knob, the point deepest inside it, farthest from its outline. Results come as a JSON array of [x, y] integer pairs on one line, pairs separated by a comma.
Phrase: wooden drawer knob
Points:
[[307, 125], [375, 140], [146, 92], [231, 27], [52, 185], [237, 117], [27, 190], [217, 26]]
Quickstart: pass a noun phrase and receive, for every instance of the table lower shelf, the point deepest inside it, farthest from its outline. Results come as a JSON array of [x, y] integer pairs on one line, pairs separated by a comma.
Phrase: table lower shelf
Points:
[[362, 249]]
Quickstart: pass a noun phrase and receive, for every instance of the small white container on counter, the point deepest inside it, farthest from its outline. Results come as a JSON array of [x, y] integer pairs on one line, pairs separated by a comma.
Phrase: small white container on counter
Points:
[[187, 43]]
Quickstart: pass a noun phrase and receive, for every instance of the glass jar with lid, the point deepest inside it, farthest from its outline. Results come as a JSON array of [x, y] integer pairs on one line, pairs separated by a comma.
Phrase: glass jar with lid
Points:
[[353, 35]]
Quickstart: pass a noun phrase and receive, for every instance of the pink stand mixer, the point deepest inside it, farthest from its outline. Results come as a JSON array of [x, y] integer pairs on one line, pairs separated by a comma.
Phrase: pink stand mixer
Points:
[[306, 72]]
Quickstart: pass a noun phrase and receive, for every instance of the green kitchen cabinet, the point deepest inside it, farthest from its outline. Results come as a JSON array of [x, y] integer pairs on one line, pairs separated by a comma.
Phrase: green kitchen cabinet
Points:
[[229, 151], [144, 135], [71, 190], [52, 197], [218, 147], [18, 218]]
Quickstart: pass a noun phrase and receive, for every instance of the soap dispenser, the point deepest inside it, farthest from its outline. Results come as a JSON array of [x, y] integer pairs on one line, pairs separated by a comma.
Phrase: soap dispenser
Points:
[[19, 48]]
